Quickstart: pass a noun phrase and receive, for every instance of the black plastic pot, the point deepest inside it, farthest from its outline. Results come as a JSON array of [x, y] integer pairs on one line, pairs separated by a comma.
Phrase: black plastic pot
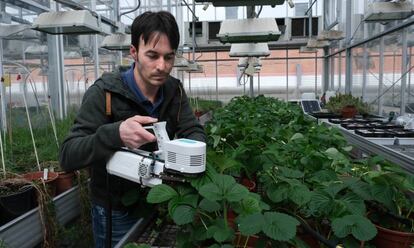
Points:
[[16, 204]]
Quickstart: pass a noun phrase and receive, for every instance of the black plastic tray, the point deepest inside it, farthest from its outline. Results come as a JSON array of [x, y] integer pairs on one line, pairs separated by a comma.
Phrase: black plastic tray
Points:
[[403, 133], [324, 115], [377, 133], [385, 126]]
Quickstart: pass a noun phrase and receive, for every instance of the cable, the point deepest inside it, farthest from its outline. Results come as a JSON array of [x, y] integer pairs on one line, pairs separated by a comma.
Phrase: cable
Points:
[[132, 10], [260, 11], [352, 37], [385, 91], [192, 12]]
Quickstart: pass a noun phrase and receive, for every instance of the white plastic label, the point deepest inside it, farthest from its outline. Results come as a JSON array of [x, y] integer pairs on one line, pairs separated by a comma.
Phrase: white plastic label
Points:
[[45, 173]]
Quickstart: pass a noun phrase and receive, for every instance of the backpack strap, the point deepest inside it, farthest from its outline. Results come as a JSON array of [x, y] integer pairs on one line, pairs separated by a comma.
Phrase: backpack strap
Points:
[[108, 111]]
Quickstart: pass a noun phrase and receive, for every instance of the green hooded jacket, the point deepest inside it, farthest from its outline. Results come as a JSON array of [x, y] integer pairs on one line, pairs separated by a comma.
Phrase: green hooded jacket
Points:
[[94, 137]]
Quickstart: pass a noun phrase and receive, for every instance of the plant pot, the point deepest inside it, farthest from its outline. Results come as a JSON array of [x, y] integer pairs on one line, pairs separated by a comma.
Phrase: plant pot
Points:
[[198, 113], [243, 241], [50, 182], [349, 112], [64, 181], [387, 238], [249, 184], [231, 216], [310, 240], [17, 203]]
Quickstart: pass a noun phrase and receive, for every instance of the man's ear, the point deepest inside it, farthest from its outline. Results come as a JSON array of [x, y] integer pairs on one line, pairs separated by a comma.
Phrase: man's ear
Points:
[[133, 52]]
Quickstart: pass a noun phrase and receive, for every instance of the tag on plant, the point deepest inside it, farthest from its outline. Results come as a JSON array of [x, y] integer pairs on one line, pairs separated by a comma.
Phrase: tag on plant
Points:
[[45, 173]]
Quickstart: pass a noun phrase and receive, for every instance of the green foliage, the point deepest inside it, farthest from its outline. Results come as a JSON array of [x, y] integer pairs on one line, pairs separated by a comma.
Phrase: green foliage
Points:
[[19, 152], [340, 101], [306, 172], [360, 227], [203, 105]]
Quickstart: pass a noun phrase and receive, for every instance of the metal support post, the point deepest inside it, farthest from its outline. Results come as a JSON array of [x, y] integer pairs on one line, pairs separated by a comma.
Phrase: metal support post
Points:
[[381, 76], [348, 52], [404, 70]]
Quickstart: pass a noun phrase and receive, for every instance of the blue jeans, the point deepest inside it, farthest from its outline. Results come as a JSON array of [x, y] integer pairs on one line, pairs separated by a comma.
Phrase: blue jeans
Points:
[[121, 223]]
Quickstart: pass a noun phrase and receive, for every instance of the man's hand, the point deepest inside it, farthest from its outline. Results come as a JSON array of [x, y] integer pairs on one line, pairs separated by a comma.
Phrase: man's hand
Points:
[[133, 134]]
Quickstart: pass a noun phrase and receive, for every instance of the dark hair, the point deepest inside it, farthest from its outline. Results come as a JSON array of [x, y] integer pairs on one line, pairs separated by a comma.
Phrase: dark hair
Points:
[[148, 23]]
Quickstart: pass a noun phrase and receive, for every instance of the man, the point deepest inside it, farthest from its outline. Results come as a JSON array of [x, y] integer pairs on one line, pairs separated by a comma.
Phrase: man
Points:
[[114, 110]]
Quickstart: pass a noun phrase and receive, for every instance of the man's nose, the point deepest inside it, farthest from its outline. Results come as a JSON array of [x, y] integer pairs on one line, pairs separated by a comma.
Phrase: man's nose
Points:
[[161, 64]]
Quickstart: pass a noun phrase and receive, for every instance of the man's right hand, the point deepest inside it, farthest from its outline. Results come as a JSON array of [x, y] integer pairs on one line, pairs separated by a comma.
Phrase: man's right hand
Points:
[[132, 132]]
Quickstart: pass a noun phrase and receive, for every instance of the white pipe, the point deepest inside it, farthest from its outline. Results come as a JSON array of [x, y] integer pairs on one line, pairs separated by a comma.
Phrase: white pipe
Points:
[[27, 111]]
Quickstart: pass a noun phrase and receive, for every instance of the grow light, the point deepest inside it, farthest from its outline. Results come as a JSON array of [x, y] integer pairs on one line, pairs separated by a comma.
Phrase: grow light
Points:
[[192, 67], [249, 50], [387, 11], [67, 22], [72, 55], [331, 35], [180, 61], [18, 32], [117, 42], [313, 43], [221, 3], [248, 30], [36, 50], [305, 49]]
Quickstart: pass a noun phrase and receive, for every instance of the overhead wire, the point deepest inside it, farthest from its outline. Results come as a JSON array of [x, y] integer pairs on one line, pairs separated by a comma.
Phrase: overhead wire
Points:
[[132, 10]]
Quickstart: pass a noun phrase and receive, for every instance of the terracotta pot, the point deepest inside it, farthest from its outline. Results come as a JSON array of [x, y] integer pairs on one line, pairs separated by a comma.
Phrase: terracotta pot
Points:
[[249, 184], [64, 182], [240, 241], [50, 182], [349, 112], [231, 216], [311, 241], [198, 113], [387, 238]]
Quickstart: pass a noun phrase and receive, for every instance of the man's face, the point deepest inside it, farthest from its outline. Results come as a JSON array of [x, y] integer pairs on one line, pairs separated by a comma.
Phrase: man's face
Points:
[[154, 60]]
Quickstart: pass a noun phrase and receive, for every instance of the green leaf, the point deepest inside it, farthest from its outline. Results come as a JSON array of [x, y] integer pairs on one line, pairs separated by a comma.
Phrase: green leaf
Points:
[[279, 226], [161, 193], [342, 227], [359, 187], [297, 136], [131, 197], [220, 232], [198, 182], [290, 173], [251, 224], [360, 227], [354, 204], [209, 206], [383, 194], [347, 148], [299, 194], [332, 153], [216, 139], [183, 214], [211, 192], [278, 192], [223, 234], [182, 190], [250, 205], [321, 202], [236, 193], [224, 182]]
